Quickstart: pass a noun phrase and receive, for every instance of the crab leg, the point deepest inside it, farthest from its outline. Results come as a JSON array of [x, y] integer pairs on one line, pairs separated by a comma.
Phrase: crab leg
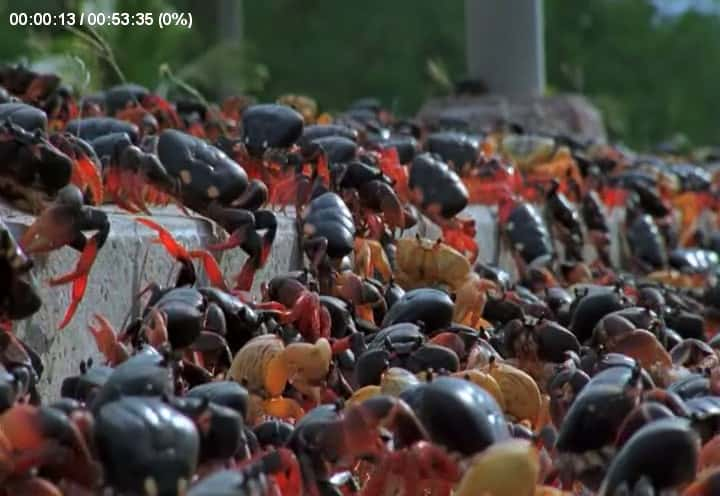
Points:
[[212, 269], [114, 183], [257, 247], [79, 279], [179, 252], [91, 177], [135, 186]]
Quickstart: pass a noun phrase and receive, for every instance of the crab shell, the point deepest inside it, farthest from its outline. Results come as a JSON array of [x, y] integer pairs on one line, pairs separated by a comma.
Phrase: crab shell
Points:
[[306, 106], [394, 381], [264, 365], [527, 151], [486, 381], [522, 396], [421, 262], [510, 468]]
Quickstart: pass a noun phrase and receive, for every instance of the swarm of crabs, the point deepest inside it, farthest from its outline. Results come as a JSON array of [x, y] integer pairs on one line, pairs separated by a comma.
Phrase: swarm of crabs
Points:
[[389, 363]]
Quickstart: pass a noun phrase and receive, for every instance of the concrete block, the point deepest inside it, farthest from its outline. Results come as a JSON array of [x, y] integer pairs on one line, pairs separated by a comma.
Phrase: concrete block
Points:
[[125, 265]]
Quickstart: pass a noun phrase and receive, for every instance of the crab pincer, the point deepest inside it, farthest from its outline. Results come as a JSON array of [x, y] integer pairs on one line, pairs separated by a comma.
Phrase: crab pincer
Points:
[[184, 256], [62, 225]]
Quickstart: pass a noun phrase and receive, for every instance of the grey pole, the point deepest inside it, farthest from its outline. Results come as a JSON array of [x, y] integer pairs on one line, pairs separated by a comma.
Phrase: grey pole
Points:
[[505, 47], [230, 30], [230, 20]]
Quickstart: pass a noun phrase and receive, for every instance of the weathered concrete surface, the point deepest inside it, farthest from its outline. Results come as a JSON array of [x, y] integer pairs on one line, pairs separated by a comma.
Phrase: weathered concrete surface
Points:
[[571, 115], [129, 261], [126, 264]]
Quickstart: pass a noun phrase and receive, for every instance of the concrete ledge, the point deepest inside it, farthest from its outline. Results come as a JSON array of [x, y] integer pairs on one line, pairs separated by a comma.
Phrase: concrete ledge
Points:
[[121, 270], [129, 261]]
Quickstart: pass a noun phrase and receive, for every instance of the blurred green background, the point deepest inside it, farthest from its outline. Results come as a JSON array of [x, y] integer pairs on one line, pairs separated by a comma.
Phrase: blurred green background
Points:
[[651, 66]]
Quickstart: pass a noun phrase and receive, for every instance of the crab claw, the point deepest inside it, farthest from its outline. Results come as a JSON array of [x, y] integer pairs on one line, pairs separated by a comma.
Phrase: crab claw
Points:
[[43, 436], [391, 167], [104, 334], [85, 173], [156, 332], [290, 188], [287, 473], [36, 486], [311, 318], [462, 238], [246, 276], [113, 185], [506, 205], [163, 110], [177, 251], [706, 483], [284, 408], [85, 170], [470, 300], [63, 224], [236, 238], [107, 343], [21, 432], [370, 257], [22, 426], [614, 197], [258, 249], [46, 233], [212, 269], [79, 278], [166, 238], [323, 170]]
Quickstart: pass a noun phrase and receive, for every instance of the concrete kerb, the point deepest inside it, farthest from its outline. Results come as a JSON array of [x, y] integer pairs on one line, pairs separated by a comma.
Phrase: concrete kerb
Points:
[[129, 261]]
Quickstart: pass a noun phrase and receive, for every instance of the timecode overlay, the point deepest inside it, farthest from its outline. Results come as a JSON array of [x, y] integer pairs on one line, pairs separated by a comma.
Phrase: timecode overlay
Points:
[[101, 19]]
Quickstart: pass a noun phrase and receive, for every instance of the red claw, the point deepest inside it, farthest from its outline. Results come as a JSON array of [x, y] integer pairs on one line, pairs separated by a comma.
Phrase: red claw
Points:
[[212, 269], [79, 278], [168, 241], [115, 185], [462, 239], [85, 174], [235, 240], [391, 167], [487, 192], [246, 276], [78, 290], [289, 480], [323, 170], [136, 189], [311, 318], [177, 251], [107, 342], [284, 189], [614, 197], [376, 226]]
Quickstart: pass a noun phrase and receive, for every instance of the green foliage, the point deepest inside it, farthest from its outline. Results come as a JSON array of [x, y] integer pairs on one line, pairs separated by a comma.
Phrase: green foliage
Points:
[[226, 62], [339, 51], [650, 75]]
